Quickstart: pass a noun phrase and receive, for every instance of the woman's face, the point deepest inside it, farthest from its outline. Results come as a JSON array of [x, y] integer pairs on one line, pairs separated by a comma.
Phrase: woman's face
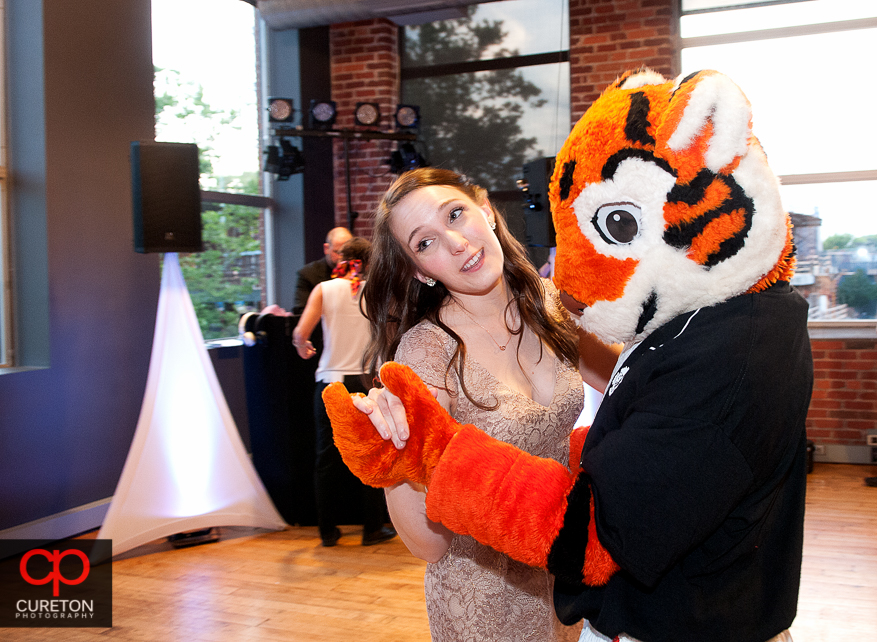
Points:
[[449, 238]]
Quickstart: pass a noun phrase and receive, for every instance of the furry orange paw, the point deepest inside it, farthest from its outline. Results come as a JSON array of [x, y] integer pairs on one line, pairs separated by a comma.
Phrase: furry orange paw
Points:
[[376, 461]]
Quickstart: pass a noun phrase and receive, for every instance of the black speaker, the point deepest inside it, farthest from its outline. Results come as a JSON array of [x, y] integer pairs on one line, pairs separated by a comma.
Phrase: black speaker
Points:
[[166, 197], [537, 209]]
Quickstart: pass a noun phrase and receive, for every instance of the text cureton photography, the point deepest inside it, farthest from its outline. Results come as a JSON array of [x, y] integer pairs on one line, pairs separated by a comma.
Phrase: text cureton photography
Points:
[[57, 584]]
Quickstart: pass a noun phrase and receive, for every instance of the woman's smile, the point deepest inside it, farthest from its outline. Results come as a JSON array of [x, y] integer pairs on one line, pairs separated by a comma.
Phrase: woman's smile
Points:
[[474, 262]]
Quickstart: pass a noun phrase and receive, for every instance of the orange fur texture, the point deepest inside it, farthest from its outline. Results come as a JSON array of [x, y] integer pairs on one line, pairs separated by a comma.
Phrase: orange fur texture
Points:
[[483, 487], [511, 500], [501, 496], [375, 460], [784, 269], [599, 565]]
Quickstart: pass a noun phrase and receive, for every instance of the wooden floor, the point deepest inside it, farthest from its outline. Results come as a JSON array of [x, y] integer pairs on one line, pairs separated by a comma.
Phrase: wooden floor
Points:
[[257, 585]]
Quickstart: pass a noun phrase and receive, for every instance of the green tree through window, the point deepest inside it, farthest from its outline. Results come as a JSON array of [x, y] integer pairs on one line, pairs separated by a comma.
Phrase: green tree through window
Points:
[[224, 280], [859, 292]]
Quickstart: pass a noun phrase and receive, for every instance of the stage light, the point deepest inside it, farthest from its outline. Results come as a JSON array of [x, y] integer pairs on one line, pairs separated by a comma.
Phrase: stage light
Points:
[[406, 158], [293, 160], [408, 116], [280, 110], [322, 114], [272, 159], [283, 161], [367, 114]]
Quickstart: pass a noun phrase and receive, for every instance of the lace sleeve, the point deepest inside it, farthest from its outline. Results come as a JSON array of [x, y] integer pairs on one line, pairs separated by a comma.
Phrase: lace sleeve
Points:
[[427, 350]]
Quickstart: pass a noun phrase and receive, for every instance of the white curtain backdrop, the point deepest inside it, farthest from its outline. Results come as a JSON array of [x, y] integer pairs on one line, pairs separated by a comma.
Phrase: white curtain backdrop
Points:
[[187, 468]]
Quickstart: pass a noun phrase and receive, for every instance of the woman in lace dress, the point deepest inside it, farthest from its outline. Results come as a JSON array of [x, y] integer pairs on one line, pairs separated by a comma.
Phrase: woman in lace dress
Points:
[[453, 295]]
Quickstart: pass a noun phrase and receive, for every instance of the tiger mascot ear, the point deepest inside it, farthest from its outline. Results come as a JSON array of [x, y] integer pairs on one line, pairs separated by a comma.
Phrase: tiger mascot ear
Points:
[[707, 124]]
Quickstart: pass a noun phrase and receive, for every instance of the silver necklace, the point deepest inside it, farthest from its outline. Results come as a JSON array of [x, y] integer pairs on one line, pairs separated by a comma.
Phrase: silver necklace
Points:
[[501, 347]]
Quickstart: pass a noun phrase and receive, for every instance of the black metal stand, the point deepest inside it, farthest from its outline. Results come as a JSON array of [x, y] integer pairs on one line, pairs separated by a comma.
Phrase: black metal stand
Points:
[[346, 135]]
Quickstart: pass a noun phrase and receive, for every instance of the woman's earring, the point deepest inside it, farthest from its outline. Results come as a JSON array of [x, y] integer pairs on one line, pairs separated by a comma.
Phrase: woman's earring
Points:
[[493, 225], [430, 281]]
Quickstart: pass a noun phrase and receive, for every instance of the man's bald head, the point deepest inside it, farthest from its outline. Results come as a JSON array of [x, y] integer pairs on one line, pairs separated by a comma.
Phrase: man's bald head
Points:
[[335, 239]]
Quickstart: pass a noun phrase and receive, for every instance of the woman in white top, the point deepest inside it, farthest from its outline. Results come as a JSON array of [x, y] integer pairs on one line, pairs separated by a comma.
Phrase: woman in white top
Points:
[[345, 335]]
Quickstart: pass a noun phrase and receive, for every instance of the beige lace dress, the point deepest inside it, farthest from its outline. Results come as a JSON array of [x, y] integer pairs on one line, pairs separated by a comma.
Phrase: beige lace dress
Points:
[[474, 593]]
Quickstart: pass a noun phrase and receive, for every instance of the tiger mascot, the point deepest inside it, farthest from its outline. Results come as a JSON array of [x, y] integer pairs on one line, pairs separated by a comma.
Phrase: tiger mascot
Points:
[[684, 521]]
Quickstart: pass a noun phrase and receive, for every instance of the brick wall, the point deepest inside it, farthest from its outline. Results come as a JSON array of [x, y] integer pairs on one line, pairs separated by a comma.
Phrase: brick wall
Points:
[[608, 37], [844, 404], [365, 68]]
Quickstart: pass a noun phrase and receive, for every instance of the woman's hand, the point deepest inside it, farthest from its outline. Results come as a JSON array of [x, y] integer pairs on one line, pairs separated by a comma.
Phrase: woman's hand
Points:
[[387, 414], [305, 349]]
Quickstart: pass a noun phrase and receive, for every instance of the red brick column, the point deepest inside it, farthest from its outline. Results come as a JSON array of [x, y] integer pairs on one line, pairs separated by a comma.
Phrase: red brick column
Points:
[[608, 37], [844, 404], [365, 68]]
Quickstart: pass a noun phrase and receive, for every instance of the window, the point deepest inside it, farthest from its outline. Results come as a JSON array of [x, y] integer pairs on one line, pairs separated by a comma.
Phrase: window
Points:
[[806, 67], [492, 87], [5, 280], [204, 53]]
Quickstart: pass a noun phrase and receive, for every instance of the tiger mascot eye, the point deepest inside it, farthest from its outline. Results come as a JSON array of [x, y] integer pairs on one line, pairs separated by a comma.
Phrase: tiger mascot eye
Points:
[[683, 520]]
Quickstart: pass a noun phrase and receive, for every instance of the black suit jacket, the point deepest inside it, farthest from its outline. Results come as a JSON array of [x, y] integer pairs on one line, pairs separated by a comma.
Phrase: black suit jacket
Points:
[[308, 277]]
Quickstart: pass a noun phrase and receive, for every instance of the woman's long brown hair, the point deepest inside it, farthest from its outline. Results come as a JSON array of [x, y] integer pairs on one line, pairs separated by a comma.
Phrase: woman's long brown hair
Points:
[[395, 301]]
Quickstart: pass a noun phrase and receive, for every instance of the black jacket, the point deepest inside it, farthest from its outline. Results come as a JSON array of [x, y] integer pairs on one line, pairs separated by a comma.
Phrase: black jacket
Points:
[[697, 463]]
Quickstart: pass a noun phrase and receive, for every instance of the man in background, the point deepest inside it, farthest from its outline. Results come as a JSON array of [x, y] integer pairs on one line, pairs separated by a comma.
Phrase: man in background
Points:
[[321, 269]]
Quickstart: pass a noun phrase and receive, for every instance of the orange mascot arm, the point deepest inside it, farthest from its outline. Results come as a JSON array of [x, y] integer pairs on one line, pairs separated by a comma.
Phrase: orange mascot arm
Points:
[[377, 462], [535, 510]]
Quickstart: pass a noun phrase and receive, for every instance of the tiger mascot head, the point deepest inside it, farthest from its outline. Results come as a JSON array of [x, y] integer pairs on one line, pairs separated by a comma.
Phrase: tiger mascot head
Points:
[[663, 202]]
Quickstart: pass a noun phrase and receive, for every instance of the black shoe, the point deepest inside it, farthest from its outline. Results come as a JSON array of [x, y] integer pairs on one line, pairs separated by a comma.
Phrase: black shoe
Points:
[[333, 538], [383, 534], [871, 481]]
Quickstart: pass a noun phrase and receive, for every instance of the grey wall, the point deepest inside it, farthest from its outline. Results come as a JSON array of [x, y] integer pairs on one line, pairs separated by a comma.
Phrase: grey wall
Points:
[[65, 428], [287, 222]]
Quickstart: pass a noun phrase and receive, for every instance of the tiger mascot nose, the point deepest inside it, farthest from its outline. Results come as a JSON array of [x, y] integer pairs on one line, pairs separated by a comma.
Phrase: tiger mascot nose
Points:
[[573, 305]]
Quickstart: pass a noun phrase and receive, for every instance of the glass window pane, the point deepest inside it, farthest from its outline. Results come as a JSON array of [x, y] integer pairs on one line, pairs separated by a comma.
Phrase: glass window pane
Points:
[[836, 241], [488, 124], [224, 281], [844, 208], [808, 105], [811, 12], [205, 89], [714, 5], [492, 30], [808, 94], [550, 123]]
